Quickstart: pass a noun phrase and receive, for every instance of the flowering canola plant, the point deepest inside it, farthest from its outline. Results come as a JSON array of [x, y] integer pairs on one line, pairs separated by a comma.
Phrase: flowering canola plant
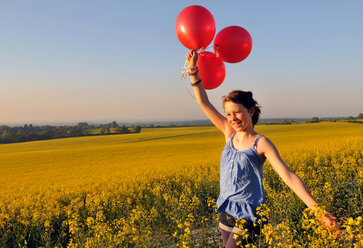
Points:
[[158, 188]]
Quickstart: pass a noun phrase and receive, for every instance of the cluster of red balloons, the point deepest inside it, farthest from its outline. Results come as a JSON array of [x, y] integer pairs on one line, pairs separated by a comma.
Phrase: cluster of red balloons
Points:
[[195, 28]]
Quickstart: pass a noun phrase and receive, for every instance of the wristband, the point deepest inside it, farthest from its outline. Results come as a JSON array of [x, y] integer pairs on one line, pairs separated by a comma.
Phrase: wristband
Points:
[[196, 83]]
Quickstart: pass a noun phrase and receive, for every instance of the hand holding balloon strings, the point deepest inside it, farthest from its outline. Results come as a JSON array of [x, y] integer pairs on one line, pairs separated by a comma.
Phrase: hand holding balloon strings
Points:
[[190, 67], [191, 59], [186, 67]]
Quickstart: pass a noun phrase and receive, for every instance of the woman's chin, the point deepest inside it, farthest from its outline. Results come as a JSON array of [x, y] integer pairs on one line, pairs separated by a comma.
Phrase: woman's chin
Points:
[[238, 128]]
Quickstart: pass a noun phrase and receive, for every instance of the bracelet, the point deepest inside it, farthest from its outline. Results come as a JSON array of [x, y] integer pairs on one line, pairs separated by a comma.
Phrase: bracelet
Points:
[[194, 73], [195, 83]]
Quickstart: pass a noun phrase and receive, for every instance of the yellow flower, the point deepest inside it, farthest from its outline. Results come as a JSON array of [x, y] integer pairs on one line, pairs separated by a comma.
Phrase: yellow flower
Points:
[[350, 221]]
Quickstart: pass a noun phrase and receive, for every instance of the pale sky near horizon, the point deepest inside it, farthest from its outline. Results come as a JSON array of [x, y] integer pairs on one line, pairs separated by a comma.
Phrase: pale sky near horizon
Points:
[[115, 60]]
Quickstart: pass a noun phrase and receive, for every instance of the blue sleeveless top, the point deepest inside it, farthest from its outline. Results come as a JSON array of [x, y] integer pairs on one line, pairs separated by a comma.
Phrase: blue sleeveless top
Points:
[[241, 189]]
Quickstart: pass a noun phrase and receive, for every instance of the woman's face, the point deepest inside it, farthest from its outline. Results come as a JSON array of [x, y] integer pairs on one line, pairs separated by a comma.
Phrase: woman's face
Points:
[[238, 116]]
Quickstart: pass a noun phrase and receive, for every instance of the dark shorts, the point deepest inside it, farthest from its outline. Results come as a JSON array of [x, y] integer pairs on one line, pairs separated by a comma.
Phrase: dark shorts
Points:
[[228, 223]]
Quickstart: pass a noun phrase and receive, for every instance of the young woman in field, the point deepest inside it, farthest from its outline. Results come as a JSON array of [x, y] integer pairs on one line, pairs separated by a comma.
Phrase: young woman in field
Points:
[[241, 189]]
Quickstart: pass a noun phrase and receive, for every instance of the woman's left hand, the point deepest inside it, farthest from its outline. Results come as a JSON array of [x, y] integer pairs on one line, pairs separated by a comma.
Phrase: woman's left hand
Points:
[[329, 222]]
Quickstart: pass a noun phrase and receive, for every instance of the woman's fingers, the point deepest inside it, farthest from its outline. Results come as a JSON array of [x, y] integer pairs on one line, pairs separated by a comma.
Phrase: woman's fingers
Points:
[[192, 57], [330, 223], [330, 215], [190, 54], [195, 54]]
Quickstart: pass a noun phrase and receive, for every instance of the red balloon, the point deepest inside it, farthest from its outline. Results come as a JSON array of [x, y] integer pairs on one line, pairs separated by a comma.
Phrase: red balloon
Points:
[[233, 44], [195, 27], [212, 70]]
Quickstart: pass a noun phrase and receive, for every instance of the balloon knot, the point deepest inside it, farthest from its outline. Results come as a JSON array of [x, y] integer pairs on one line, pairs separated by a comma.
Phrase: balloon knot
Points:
[[201, 51]]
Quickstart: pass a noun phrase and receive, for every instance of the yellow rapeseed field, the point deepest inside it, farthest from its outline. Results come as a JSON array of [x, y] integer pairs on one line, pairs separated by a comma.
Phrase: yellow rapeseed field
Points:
[[158, 188]]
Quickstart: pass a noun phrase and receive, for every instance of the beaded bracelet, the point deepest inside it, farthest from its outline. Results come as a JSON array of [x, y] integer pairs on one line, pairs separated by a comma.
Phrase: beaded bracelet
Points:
[[195, 83]]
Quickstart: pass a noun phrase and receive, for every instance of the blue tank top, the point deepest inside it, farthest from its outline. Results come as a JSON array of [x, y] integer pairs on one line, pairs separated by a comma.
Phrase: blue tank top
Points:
[[241, 189]]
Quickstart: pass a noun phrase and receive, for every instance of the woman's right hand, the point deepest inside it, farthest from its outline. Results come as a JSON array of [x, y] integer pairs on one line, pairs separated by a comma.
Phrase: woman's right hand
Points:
[[192, 58]]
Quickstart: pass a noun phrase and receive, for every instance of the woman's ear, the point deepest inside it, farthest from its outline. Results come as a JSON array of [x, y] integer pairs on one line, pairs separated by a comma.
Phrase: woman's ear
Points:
[[251, 111]]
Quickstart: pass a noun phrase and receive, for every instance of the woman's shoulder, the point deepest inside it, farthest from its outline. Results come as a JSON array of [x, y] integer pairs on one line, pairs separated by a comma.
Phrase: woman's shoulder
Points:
[[265, 144], [263, 139], [228, 135]]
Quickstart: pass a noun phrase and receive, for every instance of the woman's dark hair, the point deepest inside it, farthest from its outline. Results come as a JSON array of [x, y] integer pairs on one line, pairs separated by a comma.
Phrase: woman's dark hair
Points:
[[245, 98]]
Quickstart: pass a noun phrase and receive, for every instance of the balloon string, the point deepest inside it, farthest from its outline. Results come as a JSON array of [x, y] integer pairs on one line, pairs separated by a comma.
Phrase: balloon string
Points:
[[184, 69], [186, 86], [202, 50], [184, 76]]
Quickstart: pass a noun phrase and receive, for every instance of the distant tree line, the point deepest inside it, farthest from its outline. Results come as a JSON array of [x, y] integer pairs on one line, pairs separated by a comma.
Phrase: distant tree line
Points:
[[195, 123], [349, 118], [312, 120], [280, 122], [352, 119], [30, 132]]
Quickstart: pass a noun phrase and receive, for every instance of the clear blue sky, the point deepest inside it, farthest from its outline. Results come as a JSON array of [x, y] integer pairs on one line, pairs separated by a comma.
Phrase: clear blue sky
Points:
[[121, 60]]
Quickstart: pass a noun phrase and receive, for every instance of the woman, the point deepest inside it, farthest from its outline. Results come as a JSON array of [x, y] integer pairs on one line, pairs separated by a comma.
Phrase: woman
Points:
[[241, 189]]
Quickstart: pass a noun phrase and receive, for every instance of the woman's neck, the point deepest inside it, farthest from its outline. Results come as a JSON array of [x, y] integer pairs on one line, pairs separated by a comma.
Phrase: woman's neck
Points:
[[245, 135]]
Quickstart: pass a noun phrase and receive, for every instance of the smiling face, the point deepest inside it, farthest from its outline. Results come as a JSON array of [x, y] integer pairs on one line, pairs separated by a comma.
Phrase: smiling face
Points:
[[238, 116]]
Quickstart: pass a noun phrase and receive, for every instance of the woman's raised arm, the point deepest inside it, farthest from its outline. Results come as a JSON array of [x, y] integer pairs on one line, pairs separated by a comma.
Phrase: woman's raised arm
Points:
[[202, 98]]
